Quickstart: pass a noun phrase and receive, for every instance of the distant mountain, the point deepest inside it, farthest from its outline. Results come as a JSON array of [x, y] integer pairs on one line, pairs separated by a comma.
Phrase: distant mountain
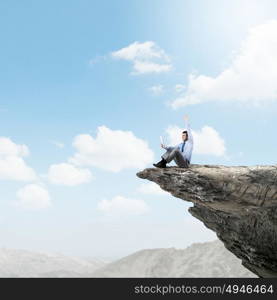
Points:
[[209, 259], [23, 263]]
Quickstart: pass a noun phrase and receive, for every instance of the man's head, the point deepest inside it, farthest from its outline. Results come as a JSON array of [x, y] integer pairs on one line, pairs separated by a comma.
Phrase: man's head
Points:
[[184, 135]]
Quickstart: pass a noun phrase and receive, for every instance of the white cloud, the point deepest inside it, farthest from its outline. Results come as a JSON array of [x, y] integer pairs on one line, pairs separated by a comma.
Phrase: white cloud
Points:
[[179, 87], [140, 51], [146, 57], [152, 188], [67, 174], [15, 168], [120, 205], [12, 164], [33, 197], [157, 89], [9, 148], [206, 141], [251, 76], [112, 150]]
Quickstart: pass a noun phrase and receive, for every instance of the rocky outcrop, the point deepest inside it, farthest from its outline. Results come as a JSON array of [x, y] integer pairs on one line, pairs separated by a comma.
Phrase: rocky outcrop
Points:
[[239, 203]]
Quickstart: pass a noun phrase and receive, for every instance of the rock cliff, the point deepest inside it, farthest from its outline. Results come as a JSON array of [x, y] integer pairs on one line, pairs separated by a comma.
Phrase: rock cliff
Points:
[[239, 203]]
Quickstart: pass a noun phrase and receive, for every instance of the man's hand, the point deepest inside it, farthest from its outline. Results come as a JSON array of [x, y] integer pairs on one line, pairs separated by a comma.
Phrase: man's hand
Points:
[[186, 118], [163, 146]]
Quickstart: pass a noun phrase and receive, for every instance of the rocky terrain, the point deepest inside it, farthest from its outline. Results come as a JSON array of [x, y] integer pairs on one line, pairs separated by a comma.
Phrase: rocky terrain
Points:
[[239, 203], [23, 263], [210, 259]]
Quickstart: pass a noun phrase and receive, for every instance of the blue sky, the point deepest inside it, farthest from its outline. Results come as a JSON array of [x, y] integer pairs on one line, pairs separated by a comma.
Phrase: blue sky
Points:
[[66, 71]]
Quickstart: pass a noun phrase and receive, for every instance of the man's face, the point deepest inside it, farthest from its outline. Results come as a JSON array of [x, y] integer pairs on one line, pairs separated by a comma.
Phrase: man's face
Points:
[[184, 136]]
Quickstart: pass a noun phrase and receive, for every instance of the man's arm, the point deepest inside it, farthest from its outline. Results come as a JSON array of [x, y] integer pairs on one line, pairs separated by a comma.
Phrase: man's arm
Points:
[[166, 147], [187, 125]]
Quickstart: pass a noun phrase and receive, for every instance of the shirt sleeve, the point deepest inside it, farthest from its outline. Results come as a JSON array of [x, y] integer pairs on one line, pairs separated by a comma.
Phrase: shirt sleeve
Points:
[[190, 137]]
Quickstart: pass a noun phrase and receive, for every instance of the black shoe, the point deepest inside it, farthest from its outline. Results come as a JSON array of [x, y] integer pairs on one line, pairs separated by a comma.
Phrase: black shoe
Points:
[[160, 164]]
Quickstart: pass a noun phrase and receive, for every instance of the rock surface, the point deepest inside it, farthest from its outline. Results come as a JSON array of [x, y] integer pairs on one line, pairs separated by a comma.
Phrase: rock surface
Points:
[[239, 203]]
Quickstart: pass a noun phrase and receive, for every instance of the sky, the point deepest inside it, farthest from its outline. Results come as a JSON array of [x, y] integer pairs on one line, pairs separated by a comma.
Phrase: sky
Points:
[[86, 90]]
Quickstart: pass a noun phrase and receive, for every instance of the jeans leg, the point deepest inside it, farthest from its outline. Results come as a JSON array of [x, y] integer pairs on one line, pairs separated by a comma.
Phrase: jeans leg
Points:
[[167, 153], [170, 154], [180, 160]]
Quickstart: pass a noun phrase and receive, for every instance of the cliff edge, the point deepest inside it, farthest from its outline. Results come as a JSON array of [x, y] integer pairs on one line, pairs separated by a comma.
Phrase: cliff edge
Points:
[[239, 203]]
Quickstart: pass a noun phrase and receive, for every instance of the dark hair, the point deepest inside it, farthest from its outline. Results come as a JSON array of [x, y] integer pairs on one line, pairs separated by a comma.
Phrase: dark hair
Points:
[[187, 136]]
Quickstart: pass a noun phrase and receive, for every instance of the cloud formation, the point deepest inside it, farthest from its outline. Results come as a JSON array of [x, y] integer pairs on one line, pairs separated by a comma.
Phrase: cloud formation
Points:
[[251, 76], [146, 57], [111, 150], [120, 205], [67, 174], [206, 141], [12, 164], [33, 197]]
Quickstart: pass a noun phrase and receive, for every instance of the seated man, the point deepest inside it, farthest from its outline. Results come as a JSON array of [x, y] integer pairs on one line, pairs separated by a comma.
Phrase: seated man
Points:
[[180, 153]]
